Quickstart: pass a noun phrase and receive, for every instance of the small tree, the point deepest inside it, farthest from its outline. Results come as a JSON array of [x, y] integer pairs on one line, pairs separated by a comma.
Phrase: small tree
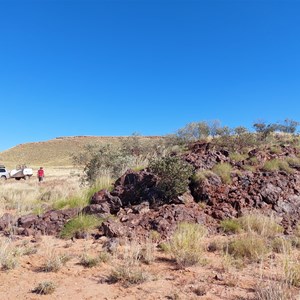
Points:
[[107, 160], [173, 174]]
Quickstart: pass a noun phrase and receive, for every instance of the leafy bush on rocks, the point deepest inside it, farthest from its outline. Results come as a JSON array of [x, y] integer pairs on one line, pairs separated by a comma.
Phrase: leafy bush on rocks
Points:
[[173, 175]]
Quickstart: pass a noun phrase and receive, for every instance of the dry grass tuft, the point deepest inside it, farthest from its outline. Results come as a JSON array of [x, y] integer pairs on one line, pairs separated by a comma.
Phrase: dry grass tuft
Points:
[[186, 245], [249, 247], [129, 270], [45, 288], [260, 224], [272, 290], [54, 261]]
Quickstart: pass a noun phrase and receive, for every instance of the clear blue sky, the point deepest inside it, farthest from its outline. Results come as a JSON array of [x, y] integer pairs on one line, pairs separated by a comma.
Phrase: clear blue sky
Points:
[[118, 67]]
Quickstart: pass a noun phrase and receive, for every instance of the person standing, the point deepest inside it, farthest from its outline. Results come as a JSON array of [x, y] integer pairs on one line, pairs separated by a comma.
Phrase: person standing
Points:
[[41, 174]]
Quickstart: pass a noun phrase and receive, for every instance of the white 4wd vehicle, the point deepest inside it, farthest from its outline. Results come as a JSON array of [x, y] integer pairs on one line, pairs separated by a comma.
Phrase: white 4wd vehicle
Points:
[[4, 173]]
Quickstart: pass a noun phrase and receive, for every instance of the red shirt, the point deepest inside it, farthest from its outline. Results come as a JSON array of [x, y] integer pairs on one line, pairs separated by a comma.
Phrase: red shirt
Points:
[[41, 173]]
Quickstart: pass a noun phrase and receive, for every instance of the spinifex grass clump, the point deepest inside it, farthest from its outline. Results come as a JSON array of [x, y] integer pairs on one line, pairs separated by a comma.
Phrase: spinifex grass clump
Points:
[[8, 256], [260, 224], [202, 175], [81, 224], [186, 245], [277, 165], [231, 226], [224, 171], [250, 247], [89, 261]]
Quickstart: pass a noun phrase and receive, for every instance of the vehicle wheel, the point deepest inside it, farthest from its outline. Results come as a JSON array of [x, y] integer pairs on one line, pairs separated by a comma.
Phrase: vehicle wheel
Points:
[[26, 177], [17, 178], [3, 178]]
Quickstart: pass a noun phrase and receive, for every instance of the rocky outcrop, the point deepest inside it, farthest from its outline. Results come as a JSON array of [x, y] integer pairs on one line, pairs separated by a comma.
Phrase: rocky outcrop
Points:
[[202, 156], [138, 207], [136, 187], [50, 223], [103, 204]]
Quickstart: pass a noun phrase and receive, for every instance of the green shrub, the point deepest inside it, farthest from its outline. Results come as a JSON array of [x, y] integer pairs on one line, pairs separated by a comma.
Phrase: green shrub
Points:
[[186, 245], [224, 171], [81, 224], [173, 174]]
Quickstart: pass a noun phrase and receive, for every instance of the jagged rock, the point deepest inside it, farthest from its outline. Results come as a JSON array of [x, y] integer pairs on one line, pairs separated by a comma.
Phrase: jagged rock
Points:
[[27, 221], [113, 229], [270, 193], [136, 187], [7, 220], [101, 210], [110, 204]]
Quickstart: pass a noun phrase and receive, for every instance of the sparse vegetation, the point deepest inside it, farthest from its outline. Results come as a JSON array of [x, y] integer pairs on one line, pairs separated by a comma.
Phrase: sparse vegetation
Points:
[[45, 288], [129, 270], [54, 261]]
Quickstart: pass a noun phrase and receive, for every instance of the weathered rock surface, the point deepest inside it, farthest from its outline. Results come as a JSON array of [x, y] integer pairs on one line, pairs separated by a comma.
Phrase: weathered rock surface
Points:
[[49, 223], [136, 187]]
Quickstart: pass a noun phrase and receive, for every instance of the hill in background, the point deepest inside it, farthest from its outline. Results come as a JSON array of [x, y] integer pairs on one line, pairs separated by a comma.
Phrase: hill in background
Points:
[[56, 152]]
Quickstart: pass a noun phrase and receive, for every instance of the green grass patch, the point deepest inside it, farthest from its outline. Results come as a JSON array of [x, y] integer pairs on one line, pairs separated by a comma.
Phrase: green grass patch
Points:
[[70, 203], [277, 165], [202, 175], [231, 226], [235, 156], [81, 224], [224, 171]]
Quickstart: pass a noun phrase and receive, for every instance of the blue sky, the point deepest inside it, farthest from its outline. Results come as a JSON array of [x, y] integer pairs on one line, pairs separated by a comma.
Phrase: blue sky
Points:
[[117, 67]]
